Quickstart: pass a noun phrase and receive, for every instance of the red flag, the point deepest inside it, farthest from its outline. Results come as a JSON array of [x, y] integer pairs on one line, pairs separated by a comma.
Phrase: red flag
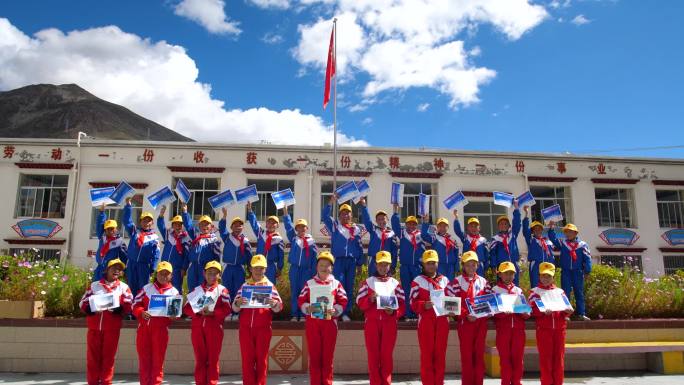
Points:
[[329, 69]]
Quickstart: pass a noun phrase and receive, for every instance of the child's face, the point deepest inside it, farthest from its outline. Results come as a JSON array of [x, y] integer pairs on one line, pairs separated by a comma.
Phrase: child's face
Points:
[[164, 277], [177, 226], [411, 226], [111, 231], [470, 267], [381, 220], [205, 227], [146, 223], [271, 225], [442, 228], [211, 275], [537, 231], [301, 230], [503, 225], [383, 268], [546, 279], [507, 277], [257, 272], [324, 268], [570, 235], [237, 227], [430, 268], [114, 272], [345, 217], [473, 228]]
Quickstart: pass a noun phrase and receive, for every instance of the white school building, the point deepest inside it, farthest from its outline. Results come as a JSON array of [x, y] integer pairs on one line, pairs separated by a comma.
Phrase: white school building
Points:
[[630, 210]]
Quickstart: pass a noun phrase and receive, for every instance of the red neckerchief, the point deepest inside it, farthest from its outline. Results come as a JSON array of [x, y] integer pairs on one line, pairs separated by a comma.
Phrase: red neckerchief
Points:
[[544, 246], [351, 230], [162, 289], [110, 287], [448, 242], [200, 237], [305, 244], [209, 288], [551, 286], [505, 242], [433, 281], [267, 243], [322, 282], [508, 288], [178, 236], [141, 237], [473, 242], [572, 246], [413, 239], [383, 238], [470, 293], [241, 238], [105, 247]]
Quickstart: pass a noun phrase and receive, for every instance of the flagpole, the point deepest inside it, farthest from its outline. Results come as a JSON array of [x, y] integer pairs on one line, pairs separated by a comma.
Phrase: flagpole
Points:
[[335, 106]]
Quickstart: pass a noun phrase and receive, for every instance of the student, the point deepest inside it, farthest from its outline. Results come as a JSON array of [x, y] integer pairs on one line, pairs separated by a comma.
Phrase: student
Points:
[[504, 245], [473, 241], [302, 259], [237, 252], [152, 336], [111, 245], [104, 327], [205, 247], [539, 248], [411, 248], [269, 243], [345, 245], [381, 237], [433, 331], [510, 329], [445, 246], [176, 247], [143, 248], [575, 263], [380, 328], [321, 334], [207, 326], [255, 325], [472, 331], [551, 326]]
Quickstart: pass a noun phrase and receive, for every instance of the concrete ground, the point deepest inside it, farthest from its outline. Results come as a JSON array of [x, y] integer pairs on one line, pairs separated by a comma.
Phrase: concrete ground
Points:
[[623, 378]]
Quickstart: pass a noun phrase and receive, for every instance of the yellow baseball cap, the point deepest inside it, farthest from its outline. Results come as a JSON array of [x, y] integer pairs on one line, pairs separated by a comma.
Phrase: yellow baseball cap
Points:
[[176, 219], [383, 256], [110, 223], [547, 268], [213, 264], [258, 261], [411, 218], [469, 256], [571, 227], [146, 214], [273, 218], [237, 219], [116, 261], [473, 220], [325, 254], [430, 256], [502, 218], [345, 207], [380, 212], [536, 223], [164, 265], [301, 222], [443, 220], [506, 266], [205, 218]]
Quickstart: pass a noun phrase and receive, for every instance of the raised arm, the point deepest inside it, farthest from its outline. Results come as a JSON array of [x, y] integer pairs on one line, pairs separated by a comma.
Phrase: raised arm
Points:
[[552, 235], [253, 222], [161, 224], [458, 229], [187, 222], [127, 220], [101, 219], [326, 215], [289, 228], [516, 220]]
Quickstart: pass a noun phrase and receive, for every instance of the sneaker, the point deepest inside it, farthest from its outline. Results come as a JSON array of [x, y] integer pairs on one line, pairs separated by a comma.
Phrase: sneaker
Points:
[[294, 319], [301, 319], [346, 318], [583, 318]]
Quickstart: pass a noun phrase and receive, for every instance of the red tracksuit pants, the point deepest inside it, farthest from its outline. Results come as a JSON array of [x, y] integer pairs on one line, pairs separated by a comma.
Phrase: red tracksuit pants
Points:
[[510, 344], [472, 337], [433, 334], [101, 352], [207, 338], [321, 336], [381, 336], [151, 343], [254, 346], [551, 347]]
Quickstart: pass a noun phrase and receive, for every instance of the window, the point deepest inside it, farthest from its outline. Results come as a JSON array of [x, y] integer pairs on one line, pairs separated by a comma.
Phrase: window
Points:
[[116, 213], [37, 254], [42, 196], [673, 263], [411, 191], [486, 212], [547, 196], [326, 192], [202, 189], [670, 208], [620, 261], [614, 207], [265, 207]]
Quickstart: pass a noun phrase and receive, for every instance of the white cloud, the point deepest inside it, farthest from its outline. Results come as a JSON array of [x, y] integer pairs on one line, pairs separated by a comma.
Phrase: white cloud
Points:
[[280, 4], [580, 20], [367, 121], [402, 44], [556, 4], [154, 79], [423, 107], [209, 14], [272, 38]]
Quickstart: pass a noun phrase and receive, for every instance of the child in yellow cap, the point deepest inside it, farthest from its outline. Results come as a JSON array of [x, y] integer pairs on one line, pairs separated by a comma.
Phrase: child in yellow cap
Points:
[[302, 259], [110, 244], [504, 244], [143, 248], [539, 248], [205, 247], [177, 243], [472, 240], [237, 252], [255, 323], [444, 244], [269, 243]]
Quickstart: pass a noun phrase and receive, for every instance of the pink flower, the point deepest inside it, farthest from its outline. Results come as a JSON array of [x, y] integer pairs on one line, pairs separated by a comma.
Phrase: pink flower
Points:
[[65, 278], [5, 264], [41, 274]]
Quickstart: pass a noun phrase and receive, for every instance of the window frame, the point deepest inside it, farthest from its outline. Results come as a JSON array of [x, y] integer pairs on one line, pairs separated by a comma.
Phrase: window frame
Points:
[[324, 198], [261, 210], [116, 213], [631, 224], [678, 215], [566, 206], [491, 216], [18, 202], [175, 208]]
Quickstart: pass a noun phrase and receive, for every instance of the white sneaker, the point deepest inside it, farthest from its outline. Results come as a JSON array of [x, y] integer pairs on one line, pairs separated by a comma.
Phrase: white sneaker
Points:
[[346, 318], [294, 319]]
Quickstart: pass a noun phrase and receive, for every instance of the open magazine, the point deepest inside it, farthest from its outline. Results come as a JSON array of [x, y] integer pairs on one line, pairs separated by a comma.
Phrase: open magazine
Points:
[[165, 305], [199, 300], [513, 303], [102, 302], [483, 305], [321, 300], [443, 304], [554, 301], [385, 295], [257, 296]]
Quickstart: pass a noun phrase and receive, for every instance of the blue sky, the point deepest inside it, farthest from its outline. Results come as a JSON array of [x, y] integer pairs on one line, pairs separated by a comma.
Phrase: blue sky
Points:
[[588, 76]]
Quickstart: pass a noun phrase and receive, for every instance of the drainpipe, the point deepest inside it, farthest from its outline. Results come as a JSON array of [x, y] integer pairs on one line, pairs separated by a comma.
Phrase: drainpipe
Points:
[[74, 199], [310, 196]]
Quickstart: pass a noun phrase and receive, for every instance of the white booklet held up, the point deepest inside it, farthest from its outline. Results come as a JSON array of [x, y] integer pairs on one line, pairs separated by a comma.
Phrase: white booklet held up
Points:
[[385, 295], [165, 305], [321, 300], [199, 300], [102, 302]]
